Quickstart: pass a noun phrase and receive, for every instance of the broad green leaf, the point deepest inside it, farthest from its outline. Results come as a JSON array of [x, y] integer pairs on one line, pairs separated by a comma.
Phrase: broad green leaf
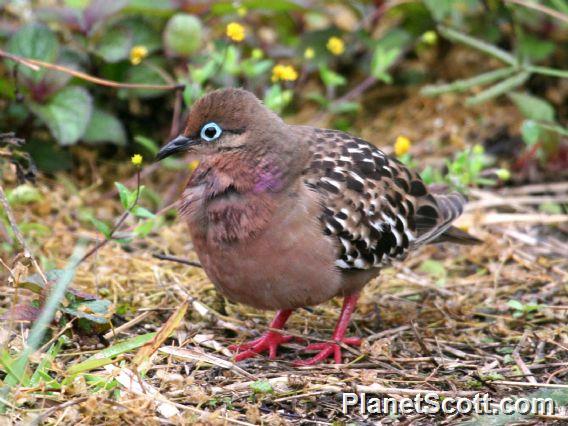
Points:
[[147, 143], [37, 42], [382, 60], [532, 107], [124, 194], [230, 60], [144, 228], [439, 9], [97, 311], [277, 99], [142, 212], [104, 127], [515, 304], [66, 114], [134, 194], [254, 68], [534, 49], [201, 75], [101, 226], [115, 44], [530, 132], [145, 75], [331, 78], [183, 34]]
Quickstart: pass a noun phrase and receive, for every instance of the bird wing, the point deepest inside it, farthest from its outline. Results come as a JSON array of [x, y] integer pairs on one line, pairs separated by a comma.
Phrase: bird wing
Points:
[[376, 207]]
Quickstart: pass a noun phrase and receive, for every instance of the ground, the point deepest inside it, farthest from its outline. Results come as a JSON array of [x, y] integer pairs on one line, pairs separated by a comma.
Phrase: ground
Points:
[[461, 320]]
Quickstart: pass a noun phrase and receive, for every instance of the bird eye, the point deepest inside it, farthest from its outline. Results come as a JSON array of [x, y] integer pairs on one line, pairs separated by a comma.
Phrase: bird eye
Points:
[[210, 132]]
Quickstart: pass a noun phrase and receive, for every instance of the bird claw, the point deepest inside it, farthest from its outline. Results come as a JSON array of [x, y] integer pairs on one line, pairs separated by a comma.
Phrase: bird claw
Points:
[[327, 349], [269, 341]]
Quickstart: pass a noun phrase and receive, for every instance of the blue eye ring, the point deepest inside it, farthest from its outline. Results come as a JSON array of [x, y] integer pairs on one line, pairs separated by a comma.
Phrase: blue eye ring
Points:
[[210, 131]]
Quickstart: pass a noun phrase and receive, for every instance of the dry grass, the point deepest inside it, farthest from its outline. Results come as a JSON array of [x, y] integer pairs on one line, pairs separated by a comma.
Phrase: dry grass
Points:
[[448, 328]]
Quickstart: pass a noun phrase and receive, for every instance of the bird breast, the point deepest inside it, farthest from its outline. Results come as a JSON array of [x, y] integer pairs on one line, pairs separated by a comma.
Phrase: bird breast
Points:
[[266, 250]]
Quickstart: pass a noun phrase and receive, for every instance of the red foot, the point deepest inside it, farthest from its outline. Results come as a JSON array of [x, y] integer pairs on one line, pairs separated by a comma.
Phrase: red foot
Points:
[[269, 341], [331, 348], [328, 349]]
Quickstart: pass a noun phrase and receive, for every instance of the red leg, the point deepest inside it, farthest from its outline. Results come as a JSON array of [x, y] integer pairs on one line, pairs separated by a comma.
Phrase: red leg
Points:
[[268, 341], [328, 349]]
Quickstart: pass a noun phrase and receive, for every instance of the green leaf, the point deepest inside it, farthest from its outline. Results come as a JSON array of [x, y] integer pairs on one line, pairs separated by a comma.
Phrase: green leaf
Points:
[[114, 45], [105, 356], [530, 132], [149, 72], [104, 127], [144, 228], [201, 75], [534, 49], [261, 386], [230, 60], [66, 114], [277, 99], [183, 34], [439, 9], [433, 268], [382, 60], [532, 107], [101, 226], [45, 363], [331, 78], [142, 212], [515, 304], [124, 194], [24, 194], [253, 68], [344, 107], [97, 311], [133, 195], [147, 143], [36, 42]]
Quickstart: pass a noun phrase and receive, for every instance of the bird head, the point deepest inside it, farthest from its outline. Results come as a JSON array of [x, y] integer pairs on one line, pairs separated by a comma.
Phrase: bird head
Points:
[[227, 120]]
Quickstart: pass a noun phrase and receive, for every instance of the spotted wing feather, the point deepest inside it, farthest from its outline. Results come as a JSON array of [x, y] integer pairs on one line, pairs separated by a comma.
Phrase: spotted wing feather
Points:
[[376, 207]]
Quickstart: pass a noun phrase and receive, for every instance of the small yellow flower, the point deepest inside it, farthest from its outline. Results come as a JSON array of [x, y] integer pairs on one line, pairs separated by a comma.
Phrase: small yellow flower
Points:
[[430, 37], [257, 53], [136, 160], [242, 11], [236, 32], [309, 53], [402, 145], [284, 73], [137, 53], [336, 46], [478, 149]]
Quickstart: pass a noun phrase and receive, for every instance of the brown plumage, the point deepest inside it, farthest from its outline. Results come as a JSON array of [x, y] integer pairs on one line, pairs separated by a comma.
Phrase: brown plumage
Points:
[[286, 216]]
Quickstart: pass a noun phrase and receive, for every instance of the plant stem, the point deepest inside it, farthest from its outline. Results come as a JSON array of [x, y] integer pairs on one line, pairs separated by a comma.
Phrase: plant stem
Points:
[[481, 45], [118, 223], [35, 65]]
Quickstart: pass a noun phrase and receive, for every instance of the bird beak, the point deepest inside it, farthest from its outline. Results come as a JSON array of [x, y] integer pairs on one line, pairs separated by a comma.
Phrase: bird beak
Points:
[[174, 146]]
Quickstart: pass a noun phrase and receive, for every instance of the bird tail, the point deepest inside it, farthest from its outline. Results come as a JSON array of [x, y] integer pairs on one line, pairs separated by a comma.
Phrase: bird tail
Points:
[[457, 236], [438, 227]]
